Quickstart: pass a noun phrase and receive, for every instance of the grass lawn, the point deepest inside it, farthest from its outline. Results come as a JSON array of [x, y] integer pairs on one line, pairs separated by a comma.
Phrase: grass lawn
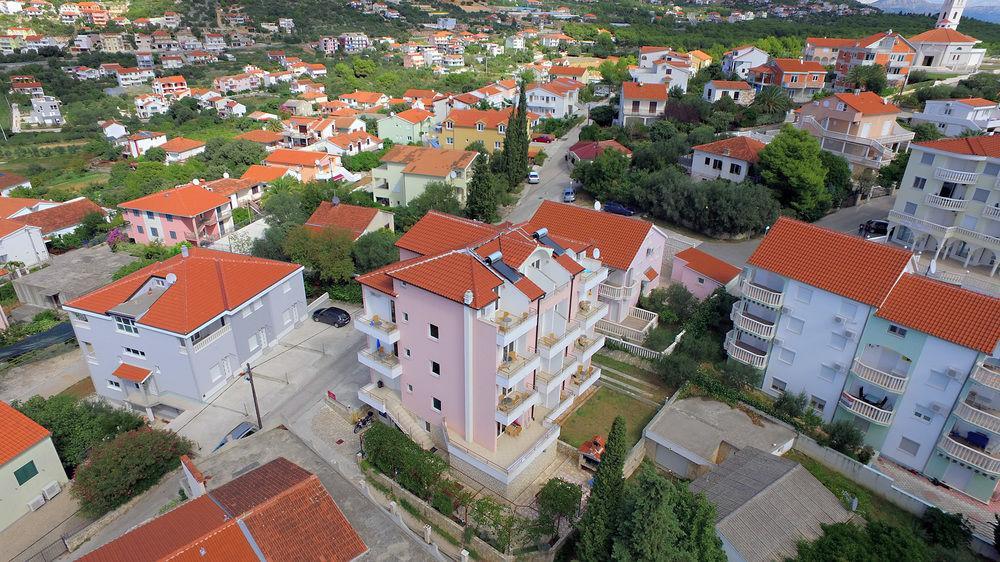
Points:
[[81, 389], [594, 417], [630, 370]]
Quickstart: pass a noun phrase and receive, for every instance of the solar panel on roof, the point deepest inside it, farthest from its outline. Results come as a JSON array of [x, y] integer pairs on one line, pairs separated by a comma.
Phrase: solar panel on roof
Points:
[[506, 270]]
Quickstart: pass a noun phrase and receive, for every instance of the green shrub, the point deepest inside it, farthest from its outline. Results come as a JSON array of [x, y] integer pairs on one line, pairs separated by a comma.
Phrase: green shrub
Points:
[[792, 405], [346, 292], [392, 453], [950, 530], [442, 503]]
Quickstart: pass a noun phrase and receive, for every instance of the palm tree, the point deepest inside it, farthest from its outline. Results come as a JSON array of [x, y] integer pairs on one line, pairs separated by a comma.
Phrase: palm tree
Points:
[[772, 99]]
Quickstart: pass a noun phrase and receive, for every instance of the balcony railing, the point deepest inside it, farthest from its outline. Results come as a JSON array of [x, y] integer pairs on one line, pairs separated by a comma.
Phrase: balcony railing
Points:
[[585, 347], [956, 176], [515, 368], [589, 312], [377, 327], [583, 380], [992, 242], [992, 213], [987, 375], [891, 382], [920, 225], [761, 294], [978, 416], [979, 459], [212, 338], [617, 292], [382, 361], [946, 203], [546, 381], [514, 404], [507, 322], [750, 324], [744, 353], [552, 343], [589, 278], [865, 410]]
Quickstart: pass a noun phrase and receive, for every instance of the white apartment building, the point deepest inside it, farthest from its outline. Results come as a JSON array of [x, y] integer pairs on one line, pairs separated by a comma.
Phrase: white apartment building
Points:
[[740, 61], [948, 206], [559, 98], [956, 117]]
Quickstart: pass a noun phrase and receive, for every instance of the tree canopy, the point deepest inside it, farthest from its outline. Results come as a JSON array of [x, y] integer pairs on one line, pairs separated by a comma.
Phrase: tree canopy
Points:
[[791, 166]]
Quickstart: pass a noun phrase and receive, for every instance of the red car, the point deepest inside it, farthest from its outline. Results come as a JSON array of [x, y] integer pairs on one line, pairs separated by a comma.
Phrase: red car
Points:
[[544, 138]]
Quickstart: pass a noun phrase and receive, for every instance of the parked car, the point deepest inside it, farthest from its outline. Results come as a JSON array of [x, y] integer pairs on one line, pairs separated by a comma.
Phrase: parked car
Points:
[[533, 177], [244, 429], [569, 195], [874, 228], [333, 316], [618, 209], [544, 138]]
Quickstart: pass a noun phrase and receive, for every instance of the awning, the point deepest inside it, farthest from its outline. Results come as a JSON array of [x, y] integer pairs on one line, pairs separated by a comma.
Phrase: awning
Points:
[[131, 373]]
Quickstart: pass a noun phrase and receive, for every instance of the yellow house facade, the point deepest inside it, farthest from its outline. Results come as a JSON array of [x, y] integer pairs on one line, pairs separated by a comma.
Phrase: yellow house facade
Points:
[[463, 127]]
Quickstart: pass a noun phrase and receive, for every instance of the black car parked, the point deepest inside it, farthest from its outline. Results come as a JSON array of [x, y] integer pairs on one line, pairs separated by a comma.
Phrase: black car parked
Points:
[[333, 316]]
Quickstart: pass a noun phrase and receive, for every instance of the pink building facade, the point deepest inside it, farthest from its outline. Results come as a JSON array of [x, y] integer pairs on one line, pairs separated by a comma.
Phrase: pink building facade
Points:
[[188, 213], [702, 273]]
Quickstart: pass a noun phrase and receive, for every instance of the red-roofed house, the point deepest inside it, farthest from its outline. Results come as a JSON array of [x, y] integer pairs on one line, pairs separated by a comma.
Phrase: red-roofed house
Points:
[[412, 125], [29, 466], [797, 78], [824, 50], [558, 98], [888, 49], [179, 149], [729, 159], [187, 325], [139, 142], [860, 127], [60, 218], [357, 220], [956, 117], [187, 213], [641, 103], [308, 165], [737, 90], [22, 243], [947, 50], [702, 273], [589, 150]]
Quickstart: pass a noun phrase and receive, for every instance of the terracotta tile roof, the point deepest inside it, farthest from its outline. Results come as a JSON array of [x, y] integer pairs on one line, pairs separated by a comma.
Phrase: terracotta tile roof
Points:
[[971, 146], [362, 97], [60, 217], [414, 93], [131, 372], [868, 103], [560, 86], [8, 227], [652, 49], [945, 311], [798, 65], [225, 544], [414, 115], [700, 55], [351, 217], [845, 265], [976, 102], [741, 148], [227, 186], [708, 265], [830, 42], [427, 161], [450, 275], [18, 433], [618, 238], [8, 179], [589, 150], [569, 264], [573, 71], [257, 486], [942, 36], [181, 144], [289, 157], [529, 289], [730, 84], [263, 174], [515, 246], [425, 237], [490, 118], [11, 205], [635, 90], [261, 136], [185, 201], [345, 140], [209, 282], [379, 279]]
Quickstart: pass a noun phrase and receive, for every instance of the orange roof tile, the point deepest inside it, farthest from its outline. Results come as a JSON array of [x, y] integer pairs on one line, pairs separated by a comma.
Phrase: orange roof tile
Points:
[[569, 264], [289, 157], [945, 311], [11, 205], [414, 115], [185, 201], [730, 84], [61, 217], [8, 227], [209, 282], [868, 103], [574, 71], [8, 179], [972, 146], [261, 136], [976, 102], [942, 36], [414, 93], [450, 275], [181, 144], [490, 118], [839, 263], [351, 217], [425, 237], [379, 279], [618, 238], [635, 90], [741, 148], [18, 433], [263, 174], [652, 49], [227, 186], [363, 97], [529, 288], [131, 372], [427, 161], [708, 265]]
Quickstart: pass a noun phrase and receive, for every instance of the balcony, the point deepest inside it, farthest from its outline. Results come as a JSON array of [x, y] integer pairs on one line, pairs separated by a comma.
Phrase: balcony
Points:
[[617, 292], [511, 326], [946, 203], [553, 344], [744, 352], [585, 347], [978, 238], [956, 447], [750, 323], [920, 225], [382, 330], [893, 382], [992, 213], [955, 176], [987, 375], [592, 278], [546, 381], [211, 338], [369, 394], [583, 380], [590, 313], [513, 453], [863, 409], [381, 361], [515, 404], [515, 368], [978, 415], [761, 294]]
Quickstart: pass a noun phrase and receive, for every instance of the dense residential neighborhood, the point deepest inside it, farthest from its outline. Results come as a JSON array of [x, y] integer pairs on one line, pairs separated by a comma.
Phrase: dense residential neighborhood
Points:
[[346, 280]]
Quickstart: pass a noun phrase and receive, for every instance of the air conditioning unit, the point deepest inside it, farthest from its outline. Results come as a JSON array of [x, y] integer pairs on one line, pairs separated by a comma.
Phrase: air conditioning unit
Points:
[[937, 407], [850, 334], [838, 319], [51, 490], [839, 367], [953, 372], [36, 502]]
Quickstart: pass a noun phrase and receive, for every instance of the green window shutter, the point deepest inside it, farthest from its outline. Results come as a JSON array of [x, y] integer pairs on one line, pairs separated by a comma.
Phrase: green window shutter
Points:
[[25, 473]]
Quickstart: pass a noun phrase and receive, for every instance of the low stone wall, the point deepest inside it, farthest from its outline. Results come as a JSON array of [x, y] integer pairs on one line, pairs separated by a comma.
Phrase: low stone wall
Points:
[[634, 458]]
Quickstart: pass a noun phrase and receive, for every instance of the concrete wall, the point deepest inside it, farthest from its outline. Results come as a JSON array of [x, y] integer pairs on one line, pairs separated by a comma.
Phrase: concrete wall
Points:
[[702, 170], [24, 245], [14, 497]]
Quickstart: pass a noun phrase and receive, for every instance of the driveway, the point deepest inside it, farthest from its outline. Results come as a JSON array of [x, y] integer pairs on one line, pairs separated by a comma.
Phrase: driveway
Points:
[[45, 377], [293, 376]]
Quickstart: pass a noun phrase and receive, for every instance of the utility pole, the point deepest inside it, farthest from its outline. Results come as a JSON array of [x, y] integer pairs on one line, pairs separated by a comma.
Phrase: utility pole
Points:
[[253, 391]]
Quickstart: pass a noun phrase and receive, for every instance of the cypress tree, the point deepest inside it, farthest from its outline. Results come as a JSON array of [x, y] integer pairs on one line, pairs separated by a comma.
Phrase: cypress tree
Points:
[[515, 147], [484, 193], [599, 522]]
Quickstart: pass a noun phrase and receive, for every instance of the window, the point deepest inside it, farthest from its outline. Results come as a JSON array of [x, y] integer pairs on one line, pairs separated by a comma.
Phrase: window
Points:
[[795, 325], [717, 164], [980, 195], [25, 473], [149, 214], [406, 352], [897, 331], [114, 384], [708, 160], [81, 318], [927, 159], [449, 125], [923, 413], [992, 169], [501, 128], [139, 229], [827, 373], [735, 169], [435, 368], [919, 183], [173, 235], [125, 325], [153, 232], [285, 287], [436, 404], [406, 317], [805, 294], [252, 343], [910, 209], [908, 446], [427, 426], [838, 342], [701, 280], [496, 145], [286, 316], [778, 385], [450, 140], [786, 355], [817, 403], [88, 349], [409, 388], [848, 309], [133, 352], [170, 218], [434, 331], [938, 380], [479, 126]]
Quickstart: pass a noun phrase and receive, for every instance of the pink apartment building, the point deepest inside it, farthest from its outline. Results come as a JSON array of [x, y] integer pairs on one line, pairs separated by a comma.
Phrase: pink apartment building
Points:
[[189, 213], [702, 273], [479, 340]]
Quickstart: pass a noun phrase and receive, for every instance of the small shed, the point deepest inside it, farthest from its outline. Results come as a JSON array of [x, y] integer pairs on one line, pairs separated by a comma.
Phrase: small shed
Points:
[[69, 276], [703, 273], [590, 453]]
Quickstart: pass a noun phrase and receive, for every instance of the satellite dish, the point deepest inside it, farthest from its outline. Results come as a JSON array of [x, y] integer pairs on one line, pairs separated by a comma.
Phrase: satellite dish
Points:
[[596, 253], [171, 278], [932, 268], [597, 205], [453, 175], [467, 298]]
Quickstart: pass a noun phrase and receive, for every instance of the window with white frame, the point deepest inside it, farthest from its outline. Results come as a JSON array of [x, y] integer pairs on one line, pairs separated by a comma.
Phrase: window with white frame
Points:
[[795, 325], [435, 368], [838, 341], [114, 384], [786, 355], [897, 331], [909, 446], [804, 294], [927, 159], [817, 403], [125, 325], [253, 343], [827, 373], [88, 349], [81, 318], [436, 404], [919, 183], [134, 352], [433, 331], [778, 385]]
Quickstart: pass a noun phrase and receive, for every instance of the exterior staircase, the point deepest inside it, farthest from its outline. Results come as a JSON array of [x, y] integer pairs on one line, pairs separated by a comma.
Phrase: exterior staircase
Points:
[[401, 417]]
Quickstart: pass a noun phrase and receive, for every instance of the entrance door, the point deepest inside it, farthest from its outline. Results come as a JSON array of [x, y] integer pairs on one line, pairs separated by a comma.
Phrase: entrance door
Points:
[[262, 337], [957, 476]]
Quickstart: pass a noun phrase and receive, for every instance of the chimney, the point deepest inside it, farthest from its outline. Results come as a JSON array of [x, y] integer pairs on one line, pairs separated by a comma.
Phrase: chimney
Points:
[[184, 251]]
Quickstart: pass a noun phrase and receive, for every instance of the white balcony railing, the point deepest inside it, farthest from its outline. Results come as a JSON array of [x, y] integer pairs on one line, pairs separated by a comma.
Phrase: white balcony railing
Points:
[[920, 225], [620, 331], [212, 338], [992, 242], [946, 203], [592, 278], [944, 174], [743, 353], [590, 312], [515, 404], [378, 328], [381, 361], [367, 395], [987, 376], [546, 381], [617, 292], [992, 213], [978, 416], [551, 344], [979, 459], [585, 347], [761, 294], [865, 410], [889, 381], [743, 321], [514, 369]]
